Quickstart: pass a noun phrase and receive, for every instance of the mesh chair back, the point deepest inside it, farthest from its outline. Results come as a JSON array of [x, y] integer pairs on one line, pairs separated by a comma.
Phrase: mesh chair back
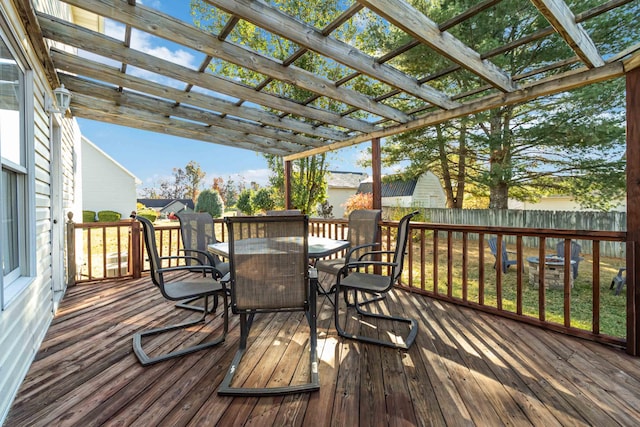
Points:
[[363, 229], [149, 235], [197, 232], [269, 263], [401, 246]]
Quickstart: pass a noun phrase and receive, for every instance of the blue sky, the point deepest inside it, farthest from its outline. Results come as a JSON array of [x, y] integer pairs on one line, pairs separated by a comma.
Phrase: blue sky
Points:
[[152, 156]]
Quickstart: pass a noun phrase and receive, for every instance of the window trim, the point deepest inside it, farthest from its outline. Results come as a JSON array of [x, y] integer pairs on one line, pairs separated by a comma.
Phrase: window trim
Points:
[[27, 188]]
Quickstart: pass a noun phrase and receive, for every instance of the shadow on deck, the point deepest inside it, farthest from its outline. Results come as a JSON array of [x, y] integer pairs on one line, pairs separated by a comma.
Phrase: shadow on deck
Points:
[[466, 367]]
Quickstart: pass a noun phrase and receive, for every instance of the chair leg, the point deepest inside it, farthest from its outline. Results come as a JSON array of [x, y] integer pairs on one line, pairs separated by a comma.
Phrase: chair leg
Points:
[[411, 336], [146, 360], [186, 304], [245, 326]]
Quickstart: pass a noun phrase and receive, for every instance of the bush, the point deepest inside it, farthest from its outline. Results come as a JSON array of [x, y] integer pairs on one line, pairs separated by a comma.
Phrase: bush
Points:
[[149, 214], [244, 202], [358, 201], [108, 216], [261, 200], [211, 202], [88, 216]]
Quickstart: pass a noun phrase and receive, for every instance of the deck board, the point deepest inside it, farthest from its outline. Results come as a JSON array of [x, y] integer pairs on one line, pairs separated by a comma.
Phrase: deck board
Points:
[[465, 368]]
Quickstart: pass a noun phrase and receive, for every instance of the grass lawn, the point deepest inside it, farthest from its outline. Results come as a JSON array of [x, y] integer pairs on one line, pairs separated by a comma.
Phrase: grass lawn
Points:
[[612, 307]]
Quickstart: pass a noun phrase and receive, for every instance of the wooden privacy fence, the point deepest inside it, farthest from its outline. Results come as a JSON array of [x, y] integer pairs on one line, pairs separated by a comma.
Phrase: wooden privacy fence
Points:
[[445, 261], [570, 220]]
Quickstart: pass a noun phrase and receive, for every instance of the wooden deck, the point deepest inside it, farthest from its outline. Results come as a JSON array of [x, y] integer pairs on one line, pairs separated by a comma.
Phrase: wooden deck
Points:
[[466, 368]]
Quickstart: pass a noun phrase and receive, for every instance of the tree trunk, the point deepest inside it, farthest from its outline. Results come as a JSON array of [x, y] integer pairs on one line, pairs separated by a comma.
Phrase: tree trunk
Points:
[[499, 196]]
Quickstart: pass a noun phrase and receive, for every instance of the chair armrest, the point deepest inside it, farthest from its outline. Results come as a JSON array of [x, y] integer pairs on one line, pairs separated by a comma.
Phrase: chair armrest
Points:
[[360, 264], [197, 251], [196, 268], [366, 254], [357, 248], [181, 257]]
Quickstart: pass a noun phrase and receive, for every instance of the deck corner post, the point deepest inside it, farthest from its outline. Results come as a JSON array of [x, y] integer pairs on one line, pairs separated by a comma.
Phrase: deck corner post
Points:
[[71, 250], [136, 252], [633, 211]]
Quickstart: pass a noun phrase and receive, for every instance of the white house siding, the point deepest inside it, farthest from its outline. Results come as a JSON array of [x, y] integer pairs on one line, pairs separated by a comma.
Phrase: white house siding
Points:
[[429, 192], [25, 319], [337, 197], [106, 185]]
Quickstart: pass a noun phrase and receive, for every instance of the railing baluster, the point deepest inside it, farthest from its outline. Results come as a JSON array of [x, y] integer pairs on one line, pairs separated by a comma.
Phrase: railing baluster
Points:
[[460, 282]]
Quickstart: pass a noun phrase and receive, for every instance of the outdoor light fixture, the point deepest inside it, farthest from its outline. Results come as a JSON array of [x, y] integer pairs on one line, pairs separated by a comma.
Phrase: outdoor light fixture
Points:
[[61, 101]]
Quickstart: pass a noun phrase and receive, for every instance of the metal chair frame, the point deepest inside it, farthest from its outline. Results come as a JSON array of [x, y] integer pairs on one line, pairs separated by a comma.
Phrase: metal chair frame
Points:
[[203, 287], [198, 231], [376, 283], [297, 270]]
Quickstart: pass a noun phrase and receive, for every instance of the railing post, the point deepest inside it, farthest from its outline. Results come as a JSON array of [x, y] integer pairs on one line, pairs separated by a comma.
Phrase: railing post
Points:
[[136, 257], [71, 250]]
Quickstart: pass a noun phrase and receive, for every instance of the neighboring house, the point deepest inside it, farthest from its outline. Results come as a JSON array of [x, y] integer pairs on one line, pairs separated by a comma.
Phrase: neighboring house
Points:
[[39, 151], [558, 203], [340, 187], [166, 206], [425, 192], [106, 185]]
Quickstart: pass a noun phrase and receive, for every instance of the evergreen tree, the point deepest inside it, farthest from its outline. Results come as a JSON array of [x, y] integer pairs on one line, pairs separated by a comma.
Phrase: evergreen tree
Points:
[[211, 202]]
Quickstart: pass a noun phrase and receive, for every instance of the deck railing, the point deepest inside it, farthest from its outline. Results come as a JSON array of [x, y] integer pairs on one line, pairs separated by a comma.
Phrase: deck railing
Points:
[[447, 262]]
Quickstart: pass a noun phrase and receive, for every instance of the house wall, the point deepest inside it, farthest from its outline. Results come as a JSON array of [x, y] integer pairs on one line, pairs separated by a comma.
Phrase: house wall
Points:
[[429, 192], [25, 319], [337, 197], [106, 185]]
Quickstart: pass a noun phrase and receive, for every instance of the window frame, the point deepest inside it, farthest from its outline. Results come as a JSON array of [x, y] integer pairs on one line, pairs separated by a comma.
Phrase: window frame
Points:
[[15, 283]]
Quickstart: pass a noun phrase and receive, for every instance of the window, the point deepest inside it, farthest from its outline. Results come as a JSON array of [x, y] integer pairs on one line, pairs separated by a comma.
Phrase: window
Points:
[[14, 236]]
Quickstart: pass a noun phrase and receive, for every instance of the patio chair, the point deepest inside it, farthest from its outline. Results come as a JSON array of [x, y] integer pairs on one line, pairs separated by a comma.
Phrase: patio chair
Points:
[[574, 255], [619, 280], [269, 272], [362, 234], [506, 262], [176, 290], [353, 277], [198, 231]]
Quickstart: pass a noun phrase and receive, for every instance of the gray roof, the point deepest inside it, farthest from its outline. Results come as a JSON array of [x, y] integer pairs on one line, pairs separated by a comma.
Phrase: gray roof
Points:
[[391, 189], [338, 179]]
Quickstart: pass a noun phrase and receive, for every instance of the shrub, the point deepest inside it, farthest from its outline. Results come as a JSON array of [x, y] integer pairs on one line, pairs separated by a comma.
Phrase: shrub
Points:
[[261, 200], [108, 216], [88, 216], [358, 201], [149, 214], [244, 202], [211, 202]]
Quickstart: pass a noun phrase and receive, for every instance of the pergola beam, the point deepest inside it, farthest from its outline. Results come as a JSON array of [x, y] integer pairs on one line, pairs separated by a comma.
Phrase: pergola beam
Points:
[[562, 19], [305, 35], [526, 93]]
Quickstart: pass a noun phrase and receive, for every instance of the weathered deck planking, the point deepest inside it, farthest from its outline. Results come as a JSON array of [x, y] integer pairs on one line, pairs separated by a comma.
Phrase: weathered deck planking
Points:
[[465, 368]]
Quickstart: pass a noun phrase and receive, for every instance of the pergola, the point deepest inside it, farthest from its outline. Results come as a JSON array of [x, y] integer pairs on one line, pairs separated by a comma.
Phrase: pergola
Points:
[[201, 105]]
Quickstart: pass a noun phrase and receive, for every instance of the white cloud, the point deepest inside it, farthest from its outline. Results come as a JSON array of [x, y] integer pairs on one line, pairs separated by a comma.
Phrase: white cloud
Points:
[[146, 43]]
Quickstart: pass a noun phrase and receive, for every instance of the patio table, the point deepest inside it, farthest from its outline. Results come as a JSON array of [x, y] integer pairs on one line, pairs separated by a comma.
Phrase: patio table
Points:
[[319, 247]]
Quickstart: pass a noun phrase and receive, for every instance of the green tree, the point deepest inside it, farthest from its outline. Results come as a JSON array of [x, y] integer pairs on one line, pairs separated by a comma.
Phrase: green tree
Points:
[[262, 200], [244, 202], [211, 202], [565, 143], [308, 186], [308, 181]]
